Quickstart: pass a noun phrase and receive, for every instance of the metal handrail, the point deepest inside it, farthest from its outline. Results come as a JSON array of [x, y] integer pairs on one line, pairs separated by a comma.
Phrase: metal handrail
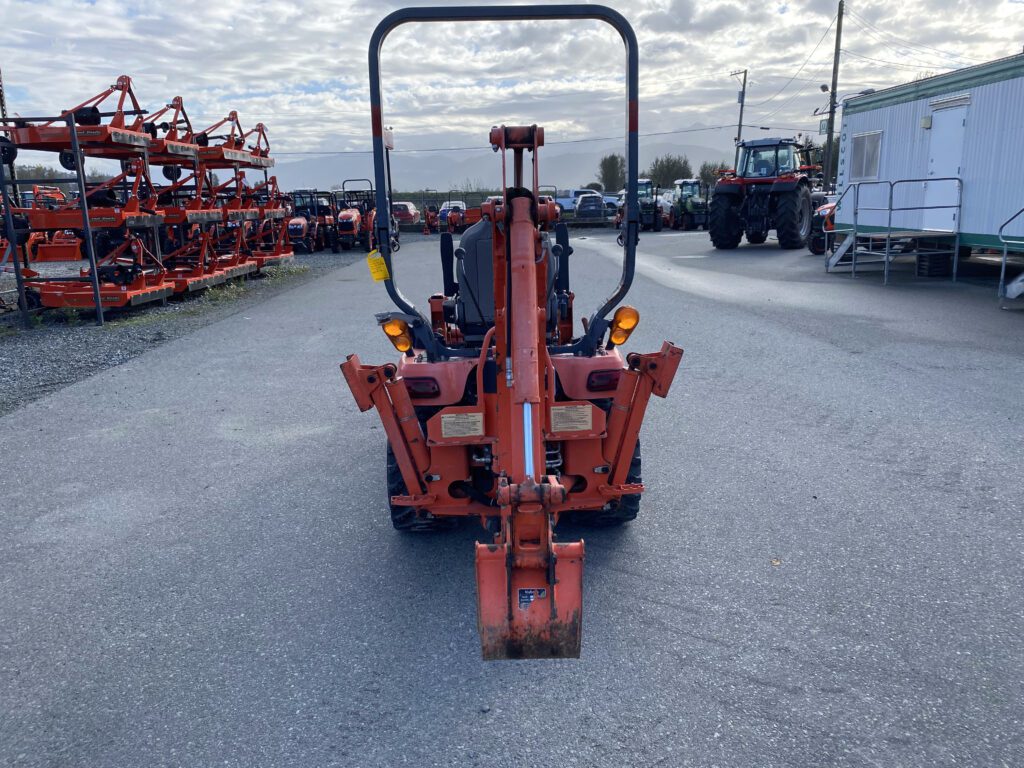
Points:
[[835, 220], [890, 208], [955, 232], [1007, 242], [856, 216]]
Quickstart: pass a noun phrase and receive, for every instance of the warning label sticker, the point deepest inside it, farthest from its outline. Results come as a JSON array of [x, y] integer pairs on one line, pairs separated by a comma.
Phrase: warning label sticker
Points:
[[572, 418], [527, 596], [462, 424]]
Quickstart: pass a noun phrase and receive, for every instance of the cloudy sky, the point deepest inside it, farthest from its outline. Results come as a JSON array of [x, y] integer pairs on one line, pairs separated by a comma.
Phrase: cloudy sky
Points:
[[300, 67]]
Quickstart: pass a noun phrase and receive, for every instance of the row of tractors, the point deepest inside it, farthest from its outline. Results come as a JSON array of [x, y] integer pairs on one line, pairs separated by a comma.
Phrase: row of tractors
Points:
[[775, 188], [143, 238], [338, 220], [341, 219], [684, 207]]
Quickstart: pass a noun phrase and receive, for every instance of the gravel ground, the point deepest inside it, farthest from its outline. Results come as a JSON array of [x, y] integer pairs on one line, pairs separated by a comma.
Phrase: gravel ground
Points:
[[66, 347]]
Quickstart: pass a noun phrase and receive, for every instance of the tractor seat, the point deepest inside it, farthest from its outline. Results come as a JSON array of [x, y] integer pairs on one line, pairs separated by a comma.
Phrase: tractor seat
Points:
[[474, 302], [475, 274]]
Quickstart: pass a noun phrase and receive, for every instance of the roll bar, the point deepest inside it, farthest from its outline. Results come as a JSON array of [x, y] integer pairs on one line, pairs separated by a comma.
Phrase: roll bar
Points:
[[511, 13]]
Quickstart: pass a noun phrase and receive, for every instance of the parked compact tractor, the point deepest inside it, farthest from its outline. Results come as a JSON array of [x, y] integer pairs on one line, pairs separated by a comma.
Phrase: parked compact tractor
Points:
[[358, 214], [650, 208], [771, 189], [501, 408], [431, 212], [690, 207], [457, 214], [651, 216], [313, 225]]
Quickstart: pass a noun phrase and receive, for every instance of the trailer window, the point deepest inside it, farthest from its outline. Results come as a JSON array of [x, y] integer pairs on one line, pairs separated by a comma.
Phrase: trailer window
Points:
[[867, 154]]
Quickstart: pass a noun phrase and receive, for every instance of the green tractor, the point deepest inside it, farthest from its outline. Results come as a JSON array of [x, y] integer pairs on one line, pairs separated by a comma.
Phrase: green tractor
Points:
[[690, 207], [650, 209]]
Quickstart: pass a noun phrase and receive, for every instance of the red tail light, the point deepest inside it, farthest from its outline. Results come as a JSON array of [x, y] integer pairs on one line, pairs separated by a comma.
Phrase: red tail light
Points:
[[423, 387], [603, 381]]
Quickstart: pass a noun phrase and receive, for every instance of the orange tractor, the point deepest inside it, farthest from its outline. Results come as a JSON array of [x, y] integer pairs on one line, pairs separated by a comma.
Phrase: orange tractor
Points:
[[500, 408], [431, 219], [358, 215]]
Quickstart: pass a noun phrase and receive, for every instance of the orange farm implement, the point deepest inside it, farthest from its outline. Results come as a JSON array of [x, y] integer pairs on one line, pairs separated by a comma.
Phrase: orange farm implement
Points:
[[142, 241]]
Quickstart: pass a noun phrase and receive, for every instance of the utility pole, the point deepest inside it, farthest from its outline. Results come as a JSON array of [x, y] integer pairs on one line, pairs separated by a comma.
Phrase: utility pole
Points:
[[829, 148], [739, 126]]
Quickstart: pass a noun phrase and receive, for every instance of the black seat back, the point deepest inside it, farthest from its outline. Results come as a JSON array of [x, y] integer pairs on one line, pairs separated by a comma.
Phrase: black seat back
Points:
[[475, 301]]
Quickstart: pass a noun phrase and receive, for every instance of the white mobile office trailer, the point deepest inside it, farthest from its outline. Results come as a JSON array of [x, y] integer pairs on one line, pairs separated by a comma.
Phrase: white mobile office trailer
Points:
[[940, 155]]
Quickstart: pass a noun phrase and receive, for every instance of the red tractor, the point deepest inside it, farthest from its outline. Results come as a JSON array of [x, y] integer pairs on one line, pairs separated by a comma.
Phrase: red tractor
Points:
[[502, 409], [771, 189]]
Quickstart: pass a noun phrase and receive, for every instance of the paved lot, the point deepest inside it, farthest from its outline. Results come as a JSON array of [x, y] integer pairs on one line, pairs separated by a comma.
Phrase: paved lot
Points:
[[197, 569]]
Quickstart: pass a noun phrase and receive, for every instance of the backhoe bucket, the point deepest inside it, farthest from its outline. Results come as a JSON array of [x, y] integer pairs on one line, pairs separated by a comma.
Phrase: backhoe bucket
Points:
[[530, 612]]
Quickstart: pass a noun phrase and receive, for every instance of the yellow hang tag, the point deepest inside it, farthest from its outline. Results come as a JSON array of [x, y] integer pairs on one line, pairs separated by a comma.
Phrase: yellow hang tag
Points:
[[378, 268]]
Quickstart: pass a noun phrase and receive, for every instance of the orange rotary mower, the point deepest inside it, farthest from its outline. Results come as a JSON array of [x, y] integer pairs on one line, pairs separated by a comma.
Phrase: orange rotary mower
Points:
[[496, 409]]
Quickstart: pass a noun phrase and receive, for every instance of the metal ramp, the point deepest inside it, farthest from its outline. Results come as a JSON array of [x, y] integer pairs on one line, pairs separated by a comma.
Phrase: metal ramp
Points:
[[936, 250]]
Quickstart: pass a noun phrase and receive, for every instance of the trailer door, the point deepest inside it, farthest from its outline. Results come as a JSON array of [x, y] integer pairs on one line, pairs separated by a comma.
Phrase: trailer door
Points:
[[945, 152]]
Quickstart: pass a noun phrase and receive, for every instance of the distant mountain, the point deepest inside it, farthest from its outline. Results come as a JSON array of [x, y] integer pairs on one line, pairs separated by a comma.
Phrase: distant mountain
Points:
[[562, 166]]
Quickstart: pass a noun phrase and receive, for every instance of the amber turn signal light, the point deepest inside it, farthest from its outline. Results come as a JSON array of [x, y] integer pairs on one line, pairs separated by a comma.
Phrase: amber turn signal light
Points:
[[398, 334], [623, 322]]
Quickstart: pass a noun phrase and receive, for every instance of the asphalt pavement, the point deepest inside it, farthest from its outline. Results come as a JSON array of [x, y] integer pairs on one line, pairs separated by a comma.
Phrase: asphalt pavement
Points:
[[197, 566]]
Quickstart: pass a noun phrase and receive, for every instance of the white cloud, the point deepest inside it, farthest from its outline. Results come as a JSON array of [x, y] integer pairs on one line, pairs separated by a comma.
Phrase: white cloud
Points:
[[300, 67]]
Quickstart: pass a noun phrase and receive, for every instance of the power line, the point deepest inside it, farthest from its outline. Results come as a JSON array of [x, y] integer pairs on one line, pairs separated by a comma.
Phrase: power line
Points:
[[813, 51], [910, 53], [548, 144], [795, 96], [879, 40], [896, 64], [910, 44]]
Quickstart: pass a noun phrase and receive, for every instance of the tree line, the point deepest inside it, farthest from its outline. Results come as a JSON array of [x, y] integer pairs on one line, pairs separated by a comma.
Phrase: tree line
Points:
[[663, 171], [47, 173]]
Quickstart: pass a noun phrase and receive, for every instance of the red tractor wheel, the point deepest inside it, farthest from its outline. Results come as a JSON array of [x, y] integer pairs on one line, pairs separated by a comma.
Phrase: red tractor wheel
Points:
[[793, 218]]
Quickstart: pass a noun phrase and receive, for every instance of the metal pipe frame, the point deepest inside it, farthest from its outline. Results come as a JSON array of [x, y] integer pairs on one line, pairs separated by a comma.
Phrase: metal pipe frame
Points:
[[597, 324], [83, 203], [12, 243], [1007, 242], [889, 209]]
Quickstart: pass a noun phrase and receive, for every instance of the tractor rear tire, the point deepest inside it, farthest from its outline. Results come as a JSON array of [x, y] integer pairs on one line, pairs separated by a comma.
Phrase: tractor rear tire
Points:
[[621, 510], [406, 518], [756, 238], [793, 218], [724, 223]]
